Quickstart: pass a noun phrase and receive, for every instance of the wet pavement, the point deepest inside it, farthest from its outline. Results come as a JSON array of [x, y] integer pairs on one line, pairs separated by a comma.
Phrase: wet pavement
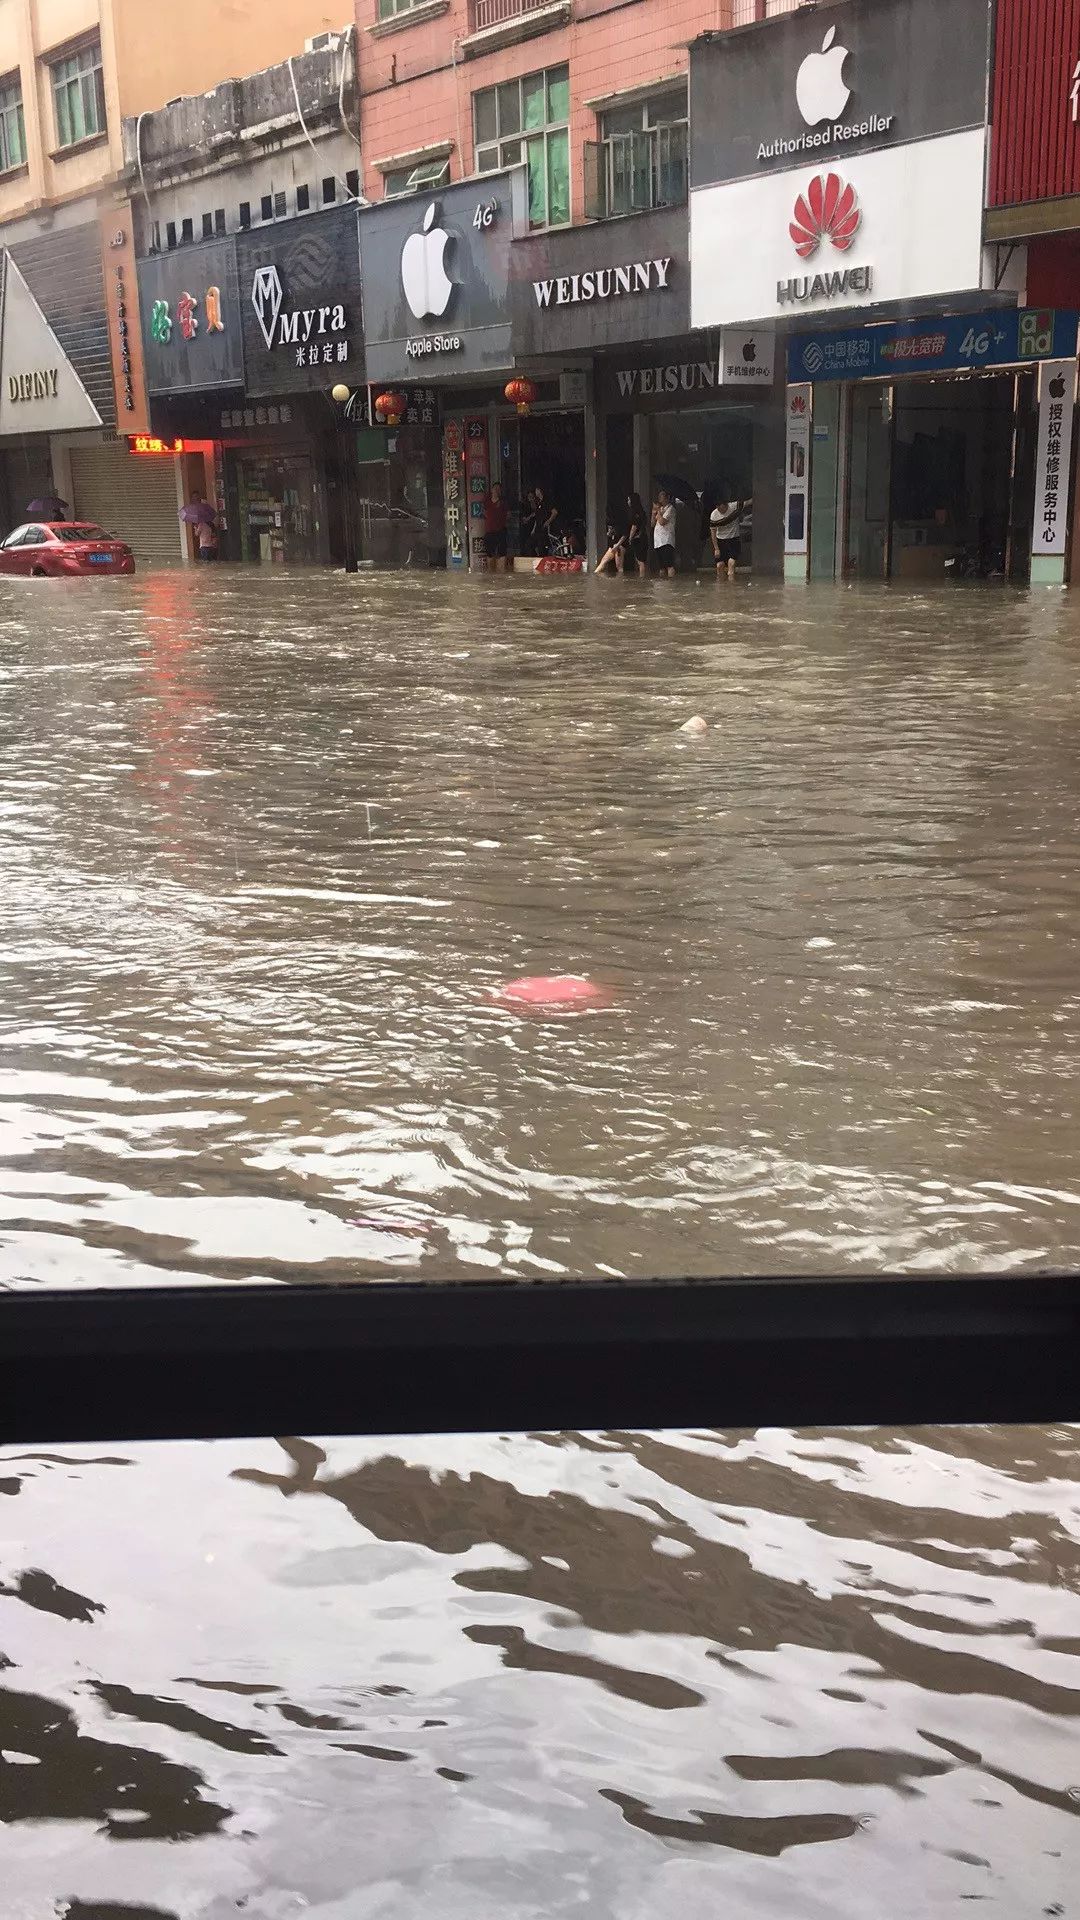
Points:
[[267, 844]]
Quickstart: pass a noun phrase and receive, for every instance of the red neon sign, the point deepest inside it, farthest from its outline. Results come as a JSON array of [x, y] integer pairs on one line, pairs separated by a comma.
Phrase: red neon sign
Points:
[[149, 443]]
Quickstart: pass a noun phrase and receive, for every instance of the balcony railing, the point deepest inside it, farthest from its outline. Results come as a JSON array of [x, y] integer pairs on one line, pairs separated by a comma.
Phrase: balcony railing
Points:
[[498, 13], [634, 172]]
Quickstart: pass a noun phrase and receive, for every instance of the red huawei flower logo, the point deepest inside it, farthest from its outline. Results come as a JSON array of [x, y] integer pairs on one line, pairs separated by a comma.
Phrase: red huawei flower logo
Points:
[[827, 207]]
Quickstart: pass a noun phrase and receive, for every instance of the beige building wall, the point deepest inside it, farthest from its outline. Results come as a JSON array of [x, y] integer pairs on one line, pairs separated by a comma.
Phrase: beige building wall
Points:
[[165, 51], [151, 53]]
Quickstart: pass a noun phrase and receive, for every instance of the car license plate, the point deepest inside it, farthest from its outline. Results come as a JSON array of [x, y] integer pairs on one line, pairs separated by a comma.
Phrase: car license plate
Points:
[[100, 559]]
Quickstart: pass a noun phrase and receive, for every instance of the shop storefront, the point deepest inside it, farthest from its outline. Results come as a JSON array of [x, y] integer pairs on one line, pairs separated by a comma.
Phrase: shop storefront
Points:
[[42, 391], [1033, 193], [839, 181], [914, 452], [438, 352], [245, 339], [677, 423]]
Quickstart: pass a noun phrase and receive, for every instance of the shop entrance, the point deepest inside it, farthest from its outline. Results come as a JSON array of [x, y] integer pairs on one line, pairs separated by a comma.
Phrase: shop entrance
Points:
[[278, 499], [940, 479], [551, 455]]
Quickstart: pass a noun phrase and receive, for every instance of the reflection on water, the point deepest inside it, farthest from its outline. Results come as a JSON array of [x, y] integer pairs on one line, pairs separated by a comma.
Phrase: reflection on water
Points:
[[265, 847]]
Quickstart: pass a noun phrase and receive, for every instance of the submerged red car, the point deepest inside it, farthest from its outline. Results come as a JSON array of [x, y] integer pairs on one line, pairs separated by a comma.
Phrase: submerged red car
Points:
[[52, 547]]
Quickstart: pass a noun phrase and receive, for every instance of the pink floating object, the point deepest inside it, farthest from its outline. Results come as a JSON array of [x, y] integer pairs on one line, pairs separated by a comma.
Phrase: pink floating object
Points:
[[562, 992]]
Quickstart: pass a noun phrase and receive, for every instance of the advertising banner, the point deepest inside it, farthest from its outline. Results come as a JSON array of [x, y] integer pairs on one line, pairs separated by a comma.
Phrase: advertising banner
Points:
[[1057, 390], [945, 343], [797, 470], [300, 304]]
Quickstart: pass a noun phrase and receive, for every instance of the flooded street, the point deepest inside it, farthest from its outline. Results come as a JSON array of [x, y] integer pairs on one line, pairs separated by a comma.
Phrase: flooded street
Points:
[[267, 845]]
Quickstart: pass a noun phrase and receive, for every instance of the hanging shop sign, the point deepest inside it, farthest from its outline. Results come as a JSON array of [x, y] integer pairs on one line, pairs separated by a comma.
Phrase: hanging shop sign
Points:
[[421, 408], [1057, 391], [797, 469], [454, 493], [437, 278], [40, 391], [121, 281], [189, 302], [478, 480], [585, 289], [844, 200], [947, 343], [300, 304], [747, 357], [819, 86]]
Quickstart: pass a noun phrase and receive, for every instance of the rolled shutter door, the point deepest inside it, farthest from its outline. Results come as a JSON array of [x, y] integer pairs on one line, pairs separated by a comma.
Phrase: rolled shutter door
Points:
[[133, 496]]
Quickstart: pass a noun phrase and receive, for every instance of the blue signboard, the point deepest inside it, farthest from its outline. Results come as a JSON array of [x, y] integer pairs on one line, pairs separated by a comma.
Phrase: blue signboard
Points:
[[945, 343]]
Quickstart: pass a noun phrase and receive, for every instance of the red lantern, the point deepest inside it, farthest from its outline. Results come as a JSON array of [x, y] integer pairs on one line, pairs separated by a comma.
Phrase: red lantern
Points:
[[391, 406], [522, 393]]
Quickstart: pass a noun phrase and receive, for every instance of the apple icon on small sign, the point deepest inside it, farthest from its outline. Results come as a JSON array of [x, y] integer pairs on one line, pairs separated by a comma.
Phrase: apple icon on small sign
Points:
[[749, 351], [820, 87], [424, 278], [1057, 387]]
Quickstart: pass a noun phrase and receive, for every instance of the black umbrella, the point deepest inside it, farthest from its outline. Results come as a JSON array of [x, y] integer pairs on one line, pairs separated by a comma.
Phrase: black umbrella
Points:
[[677, 488]]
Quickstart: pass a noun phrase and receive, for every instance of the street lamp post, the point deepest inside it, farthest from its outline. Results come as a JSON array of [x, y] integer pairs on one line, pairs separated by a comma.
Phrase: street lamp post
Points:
[[342, 396]]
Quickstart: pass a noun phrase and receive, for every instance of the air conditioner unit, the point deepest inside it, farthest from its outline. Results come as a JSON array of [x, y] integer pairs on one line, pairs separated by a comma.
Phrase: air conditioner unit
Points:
[[318, 41]]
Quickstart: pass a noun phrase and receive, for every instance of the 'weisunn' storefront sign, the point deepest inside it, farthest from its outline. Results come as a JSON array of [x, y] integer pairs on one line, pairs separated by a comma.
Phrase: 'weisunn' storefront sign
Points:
[[603, 283]]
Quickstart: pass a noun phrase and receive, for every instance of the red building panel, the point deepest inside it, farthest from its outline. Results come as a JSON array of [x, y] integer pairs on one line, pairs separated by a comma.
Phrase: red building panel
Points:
[[1035, 140]]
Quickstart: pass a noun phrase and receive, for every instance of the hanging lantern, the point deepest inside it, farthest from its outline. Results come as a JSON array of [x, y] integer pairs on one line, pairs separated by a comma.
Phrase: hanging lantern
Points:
[[522, 394], [391, 408]]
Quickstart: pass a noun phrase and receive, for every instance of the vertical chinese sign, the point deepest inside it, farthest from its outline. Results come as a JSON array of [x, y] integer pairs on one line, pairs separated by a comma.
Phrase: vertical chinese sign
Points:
[[122, 314], [454, 494], [1057, 389], [479, 476]]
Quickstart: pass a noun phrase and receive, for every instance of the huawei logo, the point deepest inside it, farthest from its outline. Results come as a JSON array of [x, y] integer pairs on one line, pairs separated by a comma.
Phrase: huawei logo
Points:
[[828, 209]]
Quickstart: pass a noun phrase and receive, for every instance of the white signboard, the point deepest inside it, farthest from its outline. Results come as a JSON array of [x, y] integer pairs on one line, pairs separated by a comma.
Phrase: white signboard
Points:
[[797, 469], [1057, 389], [747, 356], [841, 232], [40, 391]]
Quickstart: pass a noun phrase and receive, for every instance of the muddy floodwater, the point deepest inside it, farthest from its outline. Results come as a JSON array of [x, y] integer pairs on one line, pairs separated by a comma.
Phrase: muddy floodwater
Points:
[[267, 845]]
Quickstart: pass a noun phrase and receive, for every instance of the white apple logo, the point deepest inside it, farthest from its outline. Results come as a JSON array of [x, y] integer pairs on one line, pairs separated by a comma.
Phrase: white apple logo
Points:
[[427, 284], [820, 88]]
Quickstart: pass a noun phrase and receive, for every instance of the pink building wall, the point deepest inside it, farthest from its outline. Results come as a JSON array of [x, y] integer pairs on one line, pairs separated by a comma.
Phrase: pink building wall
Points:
[[415, 93]]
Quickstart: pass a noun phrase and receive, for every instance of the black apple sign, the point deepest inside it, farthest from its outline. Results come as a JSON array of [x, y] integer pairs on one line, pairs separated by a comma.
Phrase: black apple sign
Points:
[[749, 351], [1057, 387]]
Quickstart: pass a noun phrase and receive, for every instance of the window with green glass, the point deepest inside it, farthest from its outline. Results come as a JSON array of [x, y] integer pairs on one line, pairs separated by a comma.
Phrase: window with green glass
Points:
[[528, 120], [79, 95], [389, 9], [12, 129]]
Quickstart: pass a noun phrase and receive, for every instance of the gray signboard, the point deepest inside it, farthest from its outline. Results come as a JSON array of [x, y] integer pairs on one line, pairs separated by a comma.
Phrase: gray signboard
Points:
[[300, 304], [611, 284], [192, 337], [437, 280], [821, 83]]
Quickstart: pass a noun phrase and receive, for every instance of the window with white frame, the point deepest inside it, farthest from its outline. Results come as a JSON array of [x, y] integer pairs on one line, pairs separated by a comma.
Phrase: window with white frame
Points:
[[640, 159], [12, 128], [528, 120], [78, 85], [420, 178]]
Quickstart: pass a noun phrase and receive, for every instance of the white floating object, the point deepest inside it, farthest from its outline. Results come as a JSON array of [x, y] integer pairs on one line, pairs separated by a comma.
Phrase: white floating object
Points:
[[697, 725]]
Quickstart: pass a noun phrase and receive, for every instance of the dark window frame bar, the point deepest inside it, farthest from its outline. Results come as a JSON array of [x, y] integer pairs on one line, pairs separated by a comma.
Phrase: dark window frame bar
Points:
[[385, 1357]]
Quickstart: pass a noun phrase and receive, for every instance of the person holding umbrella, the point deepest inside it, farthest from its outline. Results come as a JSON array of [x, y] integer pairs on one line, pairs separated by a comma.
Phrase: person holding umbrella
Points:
[[200, 516], [49, 507]]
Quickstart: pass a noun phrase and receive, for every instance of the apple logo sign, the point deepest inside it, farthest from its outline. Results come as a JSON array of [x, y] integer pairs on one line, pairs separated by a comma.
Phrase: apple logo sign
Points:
[[424, 278], [1057, 387], [820, 87], [749, 351]]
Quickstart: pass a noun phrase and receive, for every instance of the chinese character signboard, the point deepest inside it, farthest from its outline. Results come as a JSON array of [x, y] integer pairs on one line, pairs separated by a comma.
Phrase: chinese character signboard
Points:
[[454, 494], [478, 475], [1057, 389], [300, 304], [121, 276], [747, 357], [942, 344], [190, 309]]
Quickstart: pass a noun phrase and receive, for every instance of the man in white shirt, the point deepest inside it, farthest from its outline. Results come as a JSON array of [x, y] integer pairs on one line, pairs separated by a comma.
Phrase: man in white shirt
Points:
[[663, 535]]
